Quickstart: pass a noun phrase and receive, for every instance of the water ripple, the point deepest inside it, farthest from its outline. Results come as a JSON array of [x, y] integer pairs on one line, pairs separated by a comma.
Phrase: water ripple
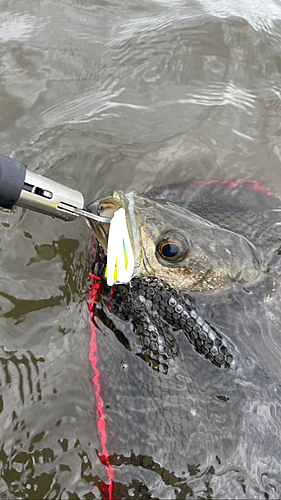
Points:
[[262, 14], [17, 27], [220, 94]]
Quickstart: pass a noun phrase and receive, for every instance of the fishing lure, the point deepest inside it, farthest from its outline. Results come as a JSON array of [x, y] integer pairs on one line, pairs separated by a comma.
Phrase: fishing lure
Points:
[[120, 255]]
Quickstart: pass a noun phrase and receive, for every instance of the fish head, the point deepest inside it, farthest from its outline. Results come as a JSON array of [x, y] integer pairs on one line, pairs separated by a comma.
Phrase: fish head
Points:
[[179, 247]]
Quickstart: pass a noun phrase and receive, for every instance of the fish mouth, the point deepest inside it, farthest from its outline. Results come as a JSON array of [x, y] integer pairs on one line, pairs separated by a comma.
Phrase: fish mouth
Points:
[[106, 207]]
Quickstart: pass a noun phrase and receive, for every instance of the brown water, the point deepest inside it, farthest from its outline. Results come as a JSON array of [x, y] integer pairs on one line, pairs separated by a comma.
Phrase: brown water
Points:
[[104, 95]]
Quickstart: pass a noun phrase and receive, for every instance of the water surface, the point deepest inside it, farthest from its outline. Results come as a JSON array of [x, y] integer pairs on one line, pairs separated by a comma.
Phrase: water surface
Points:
[[103, 95]]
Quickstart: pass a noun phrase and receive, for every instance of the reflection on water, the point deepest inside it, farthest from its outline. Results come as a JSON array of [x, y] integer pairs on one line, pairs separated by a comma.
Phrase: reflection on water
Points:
[[104, 95]]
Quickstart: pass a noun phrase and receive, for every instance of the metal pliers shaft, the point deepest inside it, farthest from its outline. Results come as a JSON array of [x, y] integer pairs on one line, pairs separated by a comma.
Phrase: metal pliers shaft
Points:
[[18, 186]]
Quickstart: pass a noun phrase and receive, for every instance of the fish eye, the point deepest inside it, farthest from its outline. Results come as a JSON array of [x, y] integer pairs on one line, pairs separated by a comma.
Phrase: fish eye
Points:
[[172, 247]]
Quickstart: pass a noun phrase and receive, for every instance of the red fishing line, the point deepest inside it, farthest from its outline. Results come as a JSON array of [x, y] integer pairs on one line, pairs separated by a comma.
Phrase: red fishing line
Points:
[[94, 284], [250, 184]]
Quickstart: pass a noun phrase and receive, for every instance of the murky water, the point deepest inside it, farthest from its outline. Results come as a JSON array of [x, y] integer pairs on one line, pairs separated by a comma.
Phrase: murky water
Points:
[[104, 95]]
